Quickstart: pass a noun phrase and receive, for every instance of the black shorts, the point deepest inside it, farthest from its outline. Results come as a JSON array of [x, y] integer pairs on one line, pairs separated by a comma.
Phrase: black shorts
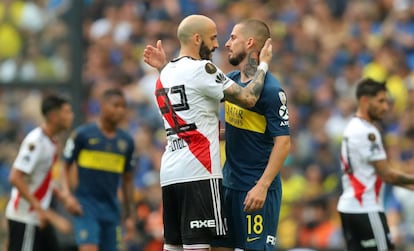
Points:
[[366, 231], [29, 237], [192, 212]]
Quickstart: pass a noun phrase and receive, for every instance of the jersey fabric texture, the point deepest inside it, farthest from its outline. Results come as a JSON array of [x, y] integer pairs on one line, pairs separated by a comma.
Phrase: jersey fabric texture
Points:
[[101, 161], [250, 132], [362, 187], [188, 94], [36, 156]]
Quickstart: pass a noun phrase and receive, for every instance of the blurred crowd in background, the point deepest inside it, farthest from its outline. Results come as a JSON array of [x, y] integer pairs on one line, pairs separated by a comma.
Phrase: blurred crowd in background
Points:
[[321, 48]]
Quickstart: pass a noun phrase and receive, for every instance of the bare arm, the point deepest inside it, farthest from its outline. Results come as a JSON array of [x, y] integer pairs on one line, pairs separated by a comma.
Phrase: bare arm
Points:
[[17, 179], [257, 195], [248, 96], [68, 183], [393, 176], [128, 194]]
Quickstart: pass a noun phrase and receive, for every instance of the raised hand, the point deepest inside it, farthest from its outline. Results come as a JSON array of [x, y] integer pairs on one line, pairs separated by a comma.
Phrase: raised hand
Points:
[[266, 52], [155, 56]]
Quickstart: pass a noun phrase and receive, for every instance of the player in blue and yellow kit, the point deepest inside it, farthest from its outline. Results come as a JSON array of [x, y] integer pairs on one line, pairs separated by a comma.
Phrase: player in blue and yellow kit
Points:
[[257, 144], [102, 153]]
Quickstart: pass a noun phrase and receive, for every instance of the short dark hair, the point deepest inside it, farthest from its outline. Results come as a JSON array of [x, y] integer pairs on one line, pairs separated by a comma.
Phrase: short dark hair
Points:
[[52, 102], [369, 87], [109, 93], [257, 29]]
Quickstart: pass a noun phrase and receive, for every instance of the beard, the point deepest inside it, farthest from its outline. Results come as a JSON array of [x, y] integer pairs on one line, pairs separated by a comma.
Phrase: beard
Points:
[[205, 52], [236, 60], [374, 115]]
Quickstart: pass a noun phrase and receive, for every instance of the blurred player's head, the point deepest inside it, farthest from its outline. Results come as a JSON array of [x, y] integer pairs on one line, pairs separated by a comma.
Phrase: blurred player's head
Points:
[[57, 111], [113, 106], [247, 37], [198, 36], [372, 98]]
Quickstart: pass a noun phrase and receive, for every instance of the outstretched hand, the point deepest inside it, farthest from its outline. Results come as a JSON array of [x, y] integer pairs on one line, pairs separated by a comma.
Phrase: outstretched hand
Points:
[[155, 56], [266, 52]]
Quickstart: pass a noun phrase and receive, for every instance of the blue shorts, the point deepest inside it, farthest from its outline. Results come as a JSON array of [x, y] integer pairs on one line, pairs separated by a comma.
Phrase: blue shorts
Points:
[[253, 231], [90, 230]]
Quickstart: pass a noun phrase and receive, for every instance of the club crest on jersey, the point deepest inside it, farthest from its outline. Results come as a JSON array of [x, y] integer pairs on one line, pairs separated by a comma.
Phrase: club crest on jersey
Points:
[[122, 145], [371, 137], [210, 68]]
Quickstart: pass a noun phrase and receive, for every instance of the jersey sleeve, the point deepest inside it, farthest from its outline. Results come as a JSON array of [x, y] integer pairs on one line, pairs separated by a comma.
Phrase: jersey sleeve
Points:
[[373, 149], [277, 114], [28, 155], [72, 147], [213, 81]]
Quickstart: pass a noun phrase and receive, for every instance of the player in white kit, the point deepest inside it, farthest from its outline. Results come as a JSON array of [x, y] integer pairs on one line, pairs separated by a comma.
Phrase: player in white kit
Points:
[[188, 93], [31, 176], [365, 168]]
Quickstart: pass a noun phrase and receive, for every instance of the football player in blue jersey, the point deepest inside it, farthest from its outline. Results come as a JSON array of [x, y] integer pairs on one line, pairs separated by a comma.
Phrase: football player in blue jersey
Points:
[[257, 144], [102, 153]]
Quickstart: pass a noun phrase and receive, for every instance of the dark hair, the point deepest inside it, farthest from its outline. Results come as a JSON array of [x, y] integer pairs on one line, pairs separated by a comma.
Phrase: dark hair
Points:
[[369, 87], [109, 93], [257, 29], [52, 102]]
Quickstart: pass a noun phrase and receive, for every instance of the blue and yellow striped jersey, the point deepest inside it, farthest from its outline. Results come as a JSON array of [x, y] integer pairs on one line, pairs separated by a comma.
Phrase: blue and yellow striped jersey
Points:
[[101, 161], [250, 133]]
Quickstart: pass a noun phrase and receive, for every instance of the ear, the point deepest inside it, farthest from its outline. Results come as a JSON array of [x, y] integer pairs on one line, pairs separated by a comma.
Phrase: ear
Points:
[[197, 39], [250, 43]]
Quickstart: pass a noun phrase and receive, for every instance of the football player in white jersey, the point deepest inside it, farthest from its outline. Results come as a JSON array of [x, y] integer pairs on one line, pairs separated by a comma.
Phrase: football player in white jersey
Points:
[[188, 93], [365, 168], [28, 210]]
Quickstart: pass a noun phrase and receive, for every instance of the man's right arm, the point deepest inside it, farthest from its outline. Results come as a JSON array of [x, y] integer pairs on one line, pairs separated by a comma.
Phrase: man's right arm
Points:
[[392, 175], [68, 177]]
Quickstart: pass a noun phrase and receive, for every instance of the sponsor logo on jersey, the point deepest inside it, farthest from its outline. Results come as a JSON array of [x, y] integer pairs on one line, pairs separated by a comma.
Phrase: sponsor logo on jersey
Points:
[[244, 118], [283, 110], [220, 78], [368, 243], [202, 224], [251, 239], [271, 240]]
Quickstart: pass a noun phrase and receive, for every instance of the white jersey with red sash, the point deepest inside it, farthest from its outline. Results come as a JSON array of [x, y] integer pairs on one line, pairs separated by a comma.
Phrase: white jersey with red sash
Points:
[[36, 156], [361, 145], [188, 94]]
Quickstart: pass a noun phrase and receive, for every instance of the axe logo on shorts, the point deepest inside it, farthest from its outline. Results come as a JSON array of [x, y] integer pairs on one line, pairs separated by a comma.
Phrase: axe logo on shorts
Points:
[[202, 224]]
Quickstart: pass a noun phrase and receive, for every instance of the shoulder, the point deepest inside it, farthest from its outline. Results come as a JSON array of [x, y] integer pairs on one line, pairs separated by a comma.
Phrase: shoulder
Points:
[[233, 74], [86, 128], [272, 83], [34, 138], [123, 134]]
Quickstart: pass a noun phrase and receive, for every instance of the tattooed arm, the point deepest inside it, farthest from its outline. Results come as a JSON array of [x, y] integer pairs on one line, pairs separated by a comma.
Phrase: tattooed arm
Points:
[[248, 96]]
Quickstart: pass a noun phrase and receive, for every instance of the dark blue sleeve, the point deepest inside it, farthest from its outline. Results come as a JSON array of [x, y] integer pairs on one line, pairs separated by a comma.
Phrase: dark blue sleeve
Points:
[[276, 111], [72, 147]]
